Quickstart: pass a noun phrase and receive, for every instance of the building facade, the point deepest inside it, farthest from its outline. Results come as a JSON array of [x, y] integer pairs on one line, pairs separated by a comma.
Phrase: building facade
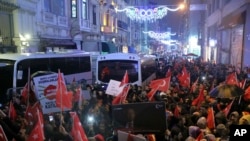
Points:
[[42, 25], [227, 32]]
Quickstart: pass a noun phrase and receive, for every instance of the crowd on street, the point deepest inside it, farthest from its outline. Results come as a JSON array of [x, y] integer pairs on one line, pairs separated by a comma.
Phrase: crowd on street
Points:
[[188, 108]]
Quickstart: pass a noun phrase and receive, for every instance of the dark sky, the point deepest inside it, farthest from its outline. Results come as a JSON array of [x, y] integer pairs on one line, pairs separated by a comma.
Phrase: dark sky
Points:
[[172, 19]]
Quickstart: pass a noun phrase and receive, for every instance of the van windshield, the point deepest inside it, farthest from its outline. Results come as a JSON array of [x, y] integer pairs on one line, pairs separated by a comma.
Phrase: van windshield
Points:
[[6, 77]]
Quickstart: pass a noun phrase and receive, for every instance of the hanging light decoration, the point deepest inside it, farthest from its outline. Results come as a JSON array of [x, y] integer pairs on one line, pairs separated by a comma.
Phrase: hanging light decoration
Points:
[[159, 36], [142, 15]]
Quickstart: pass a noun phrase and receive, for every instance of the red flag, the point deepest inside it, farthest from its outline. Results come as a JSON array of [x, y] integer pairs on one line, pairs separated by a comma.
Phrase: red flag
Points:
[[77, 96], [30, 113], [151, 94], [63, 97], [210, 118], [193, 87], [200, 137], [160, 84], [228, 108], [12, 112], [169, 73], [77, 130], [25, 93], [184, 78], [122, 96], [197, 101], [125, 79], [246, 95], [2, 135], [176, 111], [231, 79], [37, 134]]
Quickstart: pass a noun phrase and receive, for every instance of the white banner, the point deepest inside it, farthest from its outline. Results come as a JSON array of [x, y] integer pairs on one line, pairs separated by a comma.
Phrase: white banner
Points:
[[45, 87], [114, 88]]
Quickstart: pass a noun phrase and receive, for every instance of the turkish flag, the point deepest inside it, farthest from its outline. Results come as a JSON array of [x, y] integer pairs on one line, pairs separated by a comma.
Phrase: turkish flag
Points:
[[232, 79], [12, 111], [63, 97], [197, 101], [200, 137], [2, 135], [77, 130], [228, 108], [125, 79], [30, 113], [176, 111], [25, 93], [169, 73], [161, 84], [210, 118], [193, 87], [151, 94], [184, 78], [246, 95], [122, 96], [37, 134]]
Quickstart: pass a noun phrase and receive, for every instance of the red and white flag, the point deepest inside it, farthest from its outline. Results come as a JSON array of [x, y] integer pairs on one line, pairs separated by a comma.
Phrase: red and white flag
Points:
[[161, 84], [2, 134], [63, 97], [77, 130], [37, 134], [120, 98], [125, 79], [228, 108]]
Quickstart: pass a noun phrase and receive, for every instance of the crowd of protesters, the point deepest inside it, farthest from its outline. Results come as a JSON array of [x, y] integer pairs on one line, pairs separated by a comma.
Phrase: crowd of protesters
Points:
[[185, 121]]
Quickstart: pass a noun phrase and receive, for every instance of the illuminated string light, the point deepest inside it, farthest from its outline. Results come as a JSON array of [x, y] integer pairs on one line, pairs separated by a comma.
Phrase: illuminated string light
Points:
[[141, 15], [159, 36]]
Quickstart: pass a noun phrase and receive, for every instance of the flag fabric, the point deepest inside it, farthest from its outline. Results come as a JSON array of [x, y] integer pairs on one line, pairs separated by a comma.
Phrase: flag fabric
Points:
[[169, 73], [37, 134], [210, 118], [200, 137], [77, 130], [122, 96], [184, 78], [176, 111], [77, 95], [151, 94], [125, 79], [30, 113], [2, 134], [246, 95], [197, 101], [193, 87], [25, 93], [232, 79], [160, 84], [12, 111], [228, 108], [63, 97]]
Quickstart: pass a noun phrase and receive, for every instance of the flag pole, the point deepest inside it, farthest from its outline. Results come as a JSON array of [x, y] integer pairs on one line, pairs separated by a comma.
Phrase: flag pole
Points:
[[60, 96], [28, 83]]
